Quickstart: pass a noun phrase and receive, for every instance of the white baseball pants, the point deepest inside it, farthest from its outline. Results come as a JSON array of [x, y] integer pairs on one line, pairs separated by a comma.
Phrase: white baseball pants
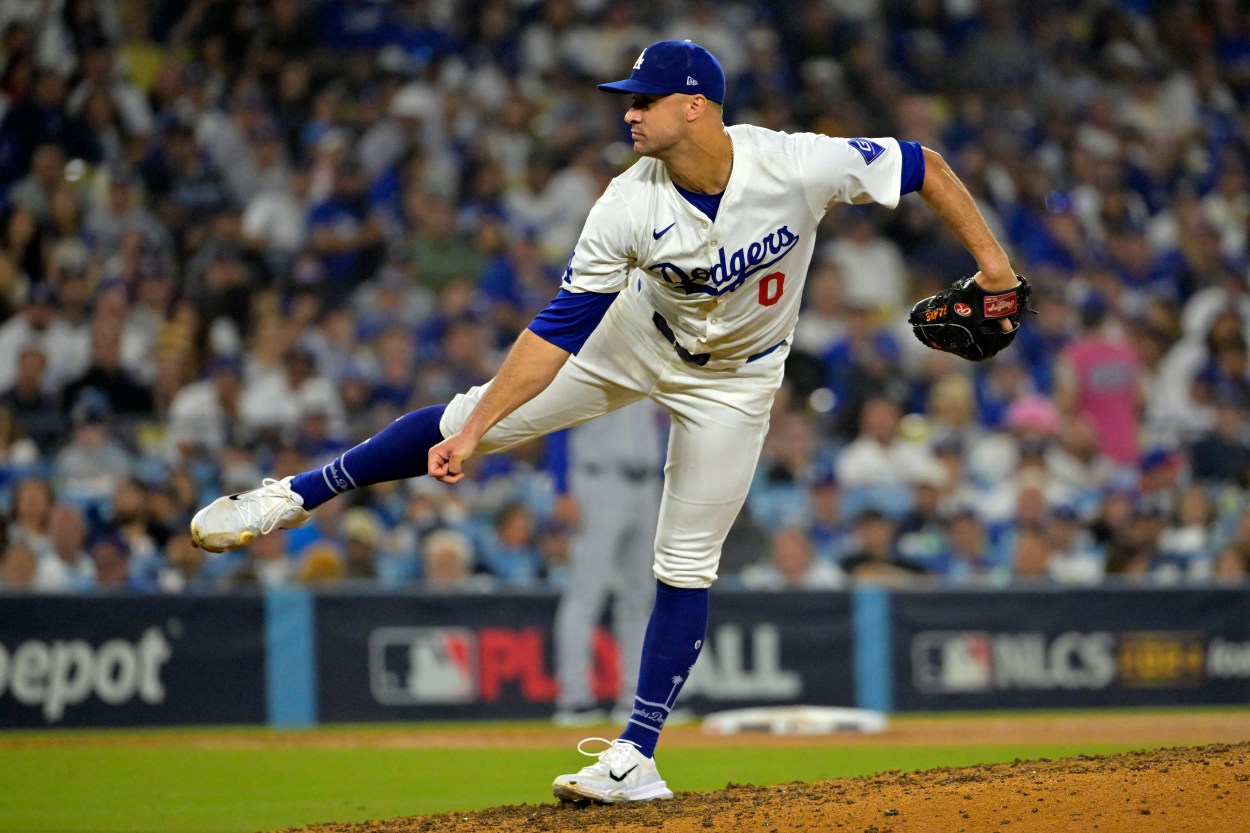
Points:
[[719, 419]]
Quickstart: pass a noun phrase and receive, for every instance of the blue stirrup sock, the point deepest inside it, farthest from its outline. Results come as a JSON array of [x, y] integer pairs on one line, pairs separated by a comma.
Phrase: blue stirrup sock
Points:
[[397, 452], [674, 638]]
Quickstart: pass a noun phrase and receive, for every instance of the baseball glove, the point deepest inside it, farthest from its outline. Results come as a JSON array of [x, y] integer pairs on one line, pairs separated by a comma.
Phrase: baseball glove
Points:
[[964, 319]]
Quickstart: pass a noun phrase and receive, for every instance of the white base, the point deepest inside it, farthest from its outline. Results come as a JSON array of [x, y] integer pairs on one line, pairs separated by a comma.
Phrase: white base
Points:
[[794, 720]]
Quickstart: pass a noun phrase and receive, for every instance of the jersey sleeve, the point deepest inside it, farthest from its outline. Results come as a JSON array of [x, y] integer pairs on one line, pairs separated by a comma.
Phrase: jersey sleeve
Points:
[[605, 251], [850, 170]]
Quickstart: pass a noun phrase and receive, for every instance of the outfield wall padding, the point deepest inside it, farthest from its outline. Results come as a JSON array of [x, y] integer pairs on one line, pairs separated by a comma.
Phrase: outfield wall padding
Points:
[[295, 658]]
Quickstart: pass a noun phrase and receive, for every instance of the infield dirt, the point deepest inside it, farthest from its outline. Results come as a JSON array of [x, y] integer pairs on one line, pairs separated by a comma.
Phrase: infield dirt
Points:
[[1191, 788]]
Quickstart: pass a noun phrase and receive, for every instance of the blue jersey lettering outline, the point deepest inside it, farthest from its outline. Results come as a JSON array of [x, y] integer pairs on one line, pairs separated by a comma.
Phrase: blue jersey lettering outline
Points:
[[728, 274]]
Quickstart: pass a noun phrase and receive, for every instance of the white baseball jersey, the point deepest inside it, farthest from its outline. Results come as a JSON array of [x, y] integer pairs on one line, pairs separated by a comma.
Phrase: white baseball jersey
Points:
[[730, 287], [727, 291]]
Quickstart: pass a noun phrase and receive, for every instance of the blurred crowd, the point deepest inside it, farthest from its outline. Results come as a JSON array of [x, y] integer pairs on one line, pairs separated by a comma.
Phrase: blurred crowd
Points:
[[239, 236]]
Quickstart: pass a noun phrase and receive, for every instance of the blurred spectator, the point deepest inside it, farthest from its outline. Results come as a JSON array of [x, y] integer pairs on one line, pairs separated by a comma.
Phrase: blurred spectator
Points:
[[362, 533], [951, 409], [111, 556], [440, 254], [879, 462], [860, 367], [922, 528], [821, 324], [1134, 551], [19, 569], [874, 557], [747, 538], [17, 453], [1030, 425], [1160, 473], [1032, 559], [320, 564], [268, 564], [1099, 377], [874, 274], [1000, 384], [130, 514], [91, 466], [343, 232], [24, 239], [508, 552], [970, 557], [29, 517], [40, 326], [1222, 454], [273, 219], [204, 415], [122, 213], [183, 570], [1226, 375], [1186, 545], [792, 565], [826, 524], [273, 403], [105, 375], [324, 532], [1073, 557], [778, 496], [40, 118], [67, 539], [1233, 561], [186, 187], [37, 414], [447, 559], [34, 191], [392, 296], [1077, 468], [466, 358], [100, 75]]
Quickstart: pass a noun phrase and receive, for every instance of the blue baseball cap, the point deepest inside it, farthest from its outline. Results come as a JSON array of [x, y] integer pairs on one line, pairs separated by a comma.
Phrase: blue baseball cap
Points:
[[674, 66]]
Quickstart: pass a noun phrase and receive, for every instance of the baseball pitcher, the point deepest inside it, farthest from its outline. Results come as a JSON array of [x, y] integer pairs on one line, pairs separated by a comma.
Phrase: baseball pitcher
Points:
[[684, 288]]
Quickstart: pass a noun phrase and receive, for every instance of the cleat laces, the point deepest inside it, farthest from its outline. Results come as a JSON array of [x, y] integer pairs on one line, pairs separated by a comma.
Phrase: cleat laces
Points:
[[268, 507], [616, 753]]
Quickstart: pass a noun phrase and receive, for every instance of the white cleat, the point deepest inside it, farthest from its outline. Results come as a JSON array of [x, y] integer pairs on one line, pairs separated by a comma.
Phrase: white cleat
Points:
[[234, 521], [621, 774]]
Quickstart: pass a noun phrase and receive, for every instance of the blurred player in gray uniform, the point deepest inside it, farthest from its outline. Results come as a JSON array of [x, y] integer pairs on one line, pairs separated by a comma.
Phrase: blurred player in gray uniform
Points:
[[614, 484]]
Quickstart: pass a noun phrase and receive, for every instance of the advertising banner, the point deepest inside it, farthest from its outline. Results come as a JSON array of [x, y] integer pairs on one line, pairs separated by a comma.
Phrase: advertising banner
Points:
[[449, 657], [1072, 648], [132, 661]]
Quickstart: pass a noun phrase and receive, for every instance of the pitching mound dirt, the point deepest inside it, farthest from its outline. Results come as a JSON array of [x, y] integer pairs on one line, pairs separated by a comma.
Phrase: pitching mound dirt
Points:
[[1203, 789]]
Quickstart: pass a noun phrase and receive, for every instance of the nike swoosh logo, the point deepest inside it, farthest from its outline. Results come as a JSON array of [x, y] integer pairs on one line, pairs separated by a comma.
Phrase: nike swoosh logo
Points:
[[235, 496], [658, 234], [626, 773]]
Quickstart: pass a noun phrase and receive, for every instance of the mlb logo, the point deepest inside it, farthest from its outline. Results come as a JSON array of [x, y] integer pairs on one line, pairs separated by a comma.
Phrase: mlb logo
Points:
[[423, 666], [1000, 306], [952, 662]]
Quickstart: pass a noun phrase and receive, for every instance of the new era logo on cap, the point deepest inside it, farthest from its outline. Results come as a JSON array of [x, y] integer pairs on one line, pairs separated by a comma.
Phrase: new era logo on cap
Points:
[[673, 66]]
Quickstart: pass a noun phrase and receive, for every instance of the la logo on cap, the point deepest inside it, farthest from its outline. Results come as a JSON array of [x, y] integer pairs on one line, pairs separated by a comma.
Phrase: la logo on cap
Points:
[[638, 63]]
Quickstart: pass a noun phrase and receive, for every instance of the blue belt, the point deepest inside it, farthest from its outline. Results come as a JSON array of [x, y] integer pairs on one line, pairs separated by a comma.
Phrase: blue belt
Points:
[[699, 359]]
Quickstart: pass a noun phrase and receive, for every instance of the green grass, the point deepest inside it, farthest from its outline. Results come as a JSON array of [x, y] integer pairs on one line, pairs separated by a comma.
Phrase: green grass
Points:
[[174, 788]]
